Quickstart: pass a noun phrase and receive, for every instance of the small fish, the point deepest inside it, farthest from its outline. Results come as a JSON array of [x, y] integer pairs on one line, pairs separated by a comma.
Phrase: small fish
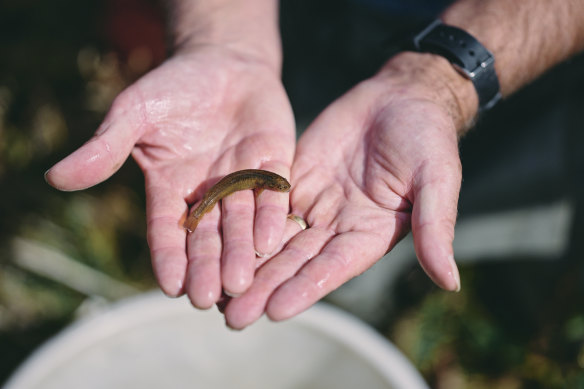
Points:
[[239, 180]]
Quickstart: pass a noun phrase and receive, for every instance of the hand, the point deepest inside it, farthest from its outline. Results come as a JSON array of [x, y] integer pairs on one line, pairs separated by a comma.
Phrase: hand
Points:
[[196, 118], [380, 160]]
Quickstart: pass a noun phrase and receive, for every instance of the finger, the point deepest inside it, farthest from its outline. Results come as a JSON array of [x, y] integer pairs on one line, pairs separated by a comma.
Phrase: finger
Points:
[[203, 281], [166, 237], [247, 308], [433, 220], [271, 210], [238, 258], [291, 229], [100, 157], [344, 257]]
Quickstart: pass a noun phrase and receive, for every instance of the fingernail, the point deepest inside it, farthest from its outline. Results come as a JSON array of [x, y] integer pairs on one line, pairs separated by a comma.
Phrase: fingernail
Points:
[[261, 255], [454, 274], [101, 129], [45, 175], [175, 290], [232, 295]]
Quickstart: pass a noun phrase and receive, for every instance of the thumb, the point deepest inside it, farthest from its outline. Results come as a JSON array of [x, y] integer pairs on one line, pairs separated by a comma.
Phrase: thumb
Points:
[[100, 157], [433, 219]]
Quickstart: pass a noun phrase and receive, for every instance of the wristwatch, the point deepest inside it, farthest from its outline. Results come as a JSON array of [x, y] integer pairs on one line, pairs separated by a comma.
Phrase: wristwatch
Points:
[[466, 54]]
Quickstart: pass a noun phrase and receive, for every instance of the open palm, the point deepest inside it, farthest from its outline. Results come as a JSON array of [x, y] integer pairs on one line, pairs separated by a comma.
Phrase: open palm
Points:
[[375, 164], [188, 123]]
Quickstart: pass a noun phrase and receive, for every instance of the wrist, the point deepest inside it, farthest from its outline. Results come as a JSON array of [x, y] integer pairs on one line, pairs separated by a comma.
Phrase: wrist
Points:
[[249, 29], [432, 77]]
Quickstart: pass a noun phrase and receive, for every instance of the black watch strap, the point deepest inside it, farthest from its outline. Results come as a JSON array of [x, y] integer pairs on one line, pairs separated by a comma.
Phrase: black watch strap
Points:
[[466, 54]]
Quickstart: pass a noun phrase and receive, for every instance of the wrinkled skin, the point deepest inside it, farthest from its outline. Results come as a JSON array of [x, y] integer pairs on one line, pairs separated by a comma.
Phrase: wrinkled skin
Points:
[[188, 123], [377, 162]]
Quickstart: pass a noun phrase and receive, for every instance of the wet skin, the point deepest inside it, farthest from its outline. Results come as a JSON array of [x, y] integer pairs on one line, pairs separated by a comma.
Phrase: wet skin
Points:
[[236, 181]]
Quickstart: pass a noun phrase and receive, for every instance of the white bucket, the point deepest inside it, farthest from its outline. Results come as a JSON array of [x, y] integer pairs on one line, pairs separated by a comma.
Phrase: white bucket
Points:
[[152, 341]]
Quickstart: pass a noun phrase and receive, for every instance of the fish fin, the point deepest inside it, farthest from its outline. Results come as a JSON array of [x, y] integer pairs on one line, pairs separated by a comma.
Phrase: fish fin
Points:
[[258, 191]]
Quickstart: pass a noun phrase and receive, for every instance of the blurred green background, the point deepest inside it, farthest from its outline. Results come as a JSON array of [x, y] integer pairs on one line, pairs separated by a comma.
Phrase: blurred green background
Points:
[[517, 323], [60, 68]]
